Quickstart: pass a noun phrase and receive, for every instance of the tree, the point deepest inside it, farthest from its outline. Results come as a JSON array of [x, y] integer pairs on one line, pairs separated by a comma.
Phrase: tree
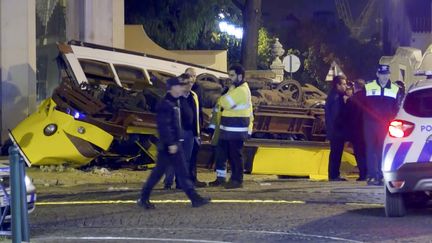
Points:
[[251, 11], [323, 40], [193, 24], [264, 49], [177, 24]]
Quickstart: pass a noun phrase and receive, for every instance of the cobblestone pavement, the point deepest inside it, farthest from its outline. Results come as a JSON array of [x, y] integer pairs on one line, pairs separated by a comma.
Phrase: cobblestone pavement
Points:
[[268, 210]]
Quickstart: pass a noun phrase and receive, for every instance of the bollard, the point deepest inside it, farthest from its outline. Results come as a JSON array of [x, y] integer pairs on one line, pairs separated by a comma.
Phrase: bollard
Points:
[[24, 208], [14, 158], [19, 211]]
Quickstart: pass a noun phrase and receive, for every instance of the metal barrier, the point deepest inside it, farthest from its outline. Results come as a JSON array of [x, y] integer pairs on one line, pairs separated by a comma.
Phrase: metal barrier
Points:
[[18, 202]]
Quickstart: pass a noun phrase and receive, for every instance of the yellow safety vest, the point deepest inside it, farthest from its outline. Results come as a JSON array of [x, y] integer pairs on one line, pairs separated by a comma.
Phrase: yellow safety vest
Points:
[[374, 89], [236, 118]]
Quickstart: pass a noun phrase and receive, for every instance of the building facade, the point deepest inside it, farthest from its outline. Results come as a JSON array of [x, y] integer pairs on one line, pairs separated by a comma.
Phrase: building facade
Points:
[[29, 31], [407, 23]]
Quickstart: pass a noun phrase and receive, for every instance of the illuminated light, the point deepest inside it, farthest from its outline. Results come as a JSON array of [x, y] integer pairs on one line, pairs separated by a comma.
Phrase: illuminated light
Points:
[[397, 184], [223, 26], [238, 33], [221, 15], [230, 29], [395, 130], [400, 129], [78, 115]]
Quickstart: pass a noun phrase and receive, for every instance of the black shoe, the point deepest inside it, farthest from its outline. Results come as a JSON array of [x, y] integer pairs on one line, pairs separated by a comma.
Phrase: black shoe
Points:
[[220, 181], [374, 182], [361, 179], [233, 185], [200, 184], [146, 204], [338, 179], [167, 187], [178, 187], [200, 201]]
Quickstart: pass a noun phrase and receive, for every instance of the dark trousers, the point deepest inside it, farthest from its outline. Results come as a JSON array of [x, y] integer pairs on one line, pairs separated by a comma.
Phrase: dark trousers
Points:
[[165, 160], [187, 145], [374, 134], [360, 155], [193, 162], [336, 150], [235, 158]]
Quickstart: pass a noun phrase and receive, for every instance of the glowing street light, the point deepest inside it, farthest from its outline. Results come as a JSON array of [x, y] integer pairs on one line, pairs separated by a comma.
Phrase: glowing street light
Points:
[[230, 29]]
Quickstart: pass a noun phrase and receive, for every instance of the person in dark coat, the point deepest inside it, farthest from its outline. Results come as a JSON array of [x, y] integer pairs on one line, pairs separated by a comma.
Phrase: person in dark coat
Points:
[[190, 121], [334, 119], [170, 149], [196, 88], [354, 119]]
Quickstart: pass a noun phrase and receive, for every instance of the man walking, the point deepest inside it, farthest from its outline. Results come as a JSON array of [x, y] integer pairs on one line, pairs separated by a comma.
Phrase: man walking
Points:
[[381, 104], [334, 120], [236, 123], [170, 150], [190, 112]]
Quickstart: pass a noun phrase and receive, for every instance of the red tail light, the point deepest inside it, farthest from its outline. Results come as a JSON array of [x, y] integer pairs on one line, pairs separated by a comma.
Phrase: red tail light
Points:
[[400, 128]]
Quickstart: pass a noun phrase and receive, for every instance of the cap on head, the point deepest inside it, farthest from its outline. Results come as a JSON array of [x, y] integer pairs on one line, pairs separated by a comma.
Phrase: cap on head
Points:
[[383, 69], [173, 82]]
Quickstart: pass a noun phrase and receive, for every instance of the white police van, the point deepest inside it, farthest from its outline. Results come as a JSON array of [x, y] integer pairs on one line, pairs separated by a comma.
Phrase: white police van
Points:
[[407, 151]]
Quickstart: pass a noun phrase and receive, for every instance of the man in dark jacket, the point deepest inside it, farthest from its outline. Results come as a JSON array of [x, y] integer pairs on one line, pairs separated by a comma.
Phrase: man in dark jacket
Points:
[[354, 119], [190, 113], [334, 119], [170, 151], [196, 92]]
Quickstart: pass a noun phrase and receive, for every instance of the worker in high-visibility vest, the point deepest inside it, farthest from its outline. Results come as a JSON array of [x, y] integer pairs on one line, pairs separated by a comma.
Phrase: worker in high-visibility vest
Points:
[[381, 106], [235, 123]]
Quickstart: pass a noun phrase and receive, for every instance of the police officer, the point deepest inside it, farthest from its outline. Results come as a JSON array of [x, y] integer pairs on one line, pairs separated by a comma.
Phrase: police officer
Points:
[[381, 106], [236, 122], [170, 151]]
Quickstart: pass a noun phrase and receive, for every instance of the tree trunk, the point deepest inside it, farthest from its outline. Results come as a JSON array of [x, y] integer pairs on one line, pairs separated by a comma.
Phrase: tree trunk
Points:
[[251, 24]]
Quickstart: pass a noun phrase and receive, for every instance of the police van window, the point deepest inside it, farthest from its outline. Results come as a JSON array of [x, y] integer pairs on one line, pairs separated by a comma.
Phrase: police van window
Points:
[[131, 77], [97, 72], [418, 103]]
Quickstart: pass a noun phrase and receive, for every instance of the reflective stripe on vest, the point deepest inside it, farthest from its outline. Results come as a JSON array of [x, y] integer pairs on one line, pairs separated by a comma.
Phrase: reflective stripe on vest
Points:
[[241, 107], [230, 100], [374, 89], [234, 129], [195, 99]]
